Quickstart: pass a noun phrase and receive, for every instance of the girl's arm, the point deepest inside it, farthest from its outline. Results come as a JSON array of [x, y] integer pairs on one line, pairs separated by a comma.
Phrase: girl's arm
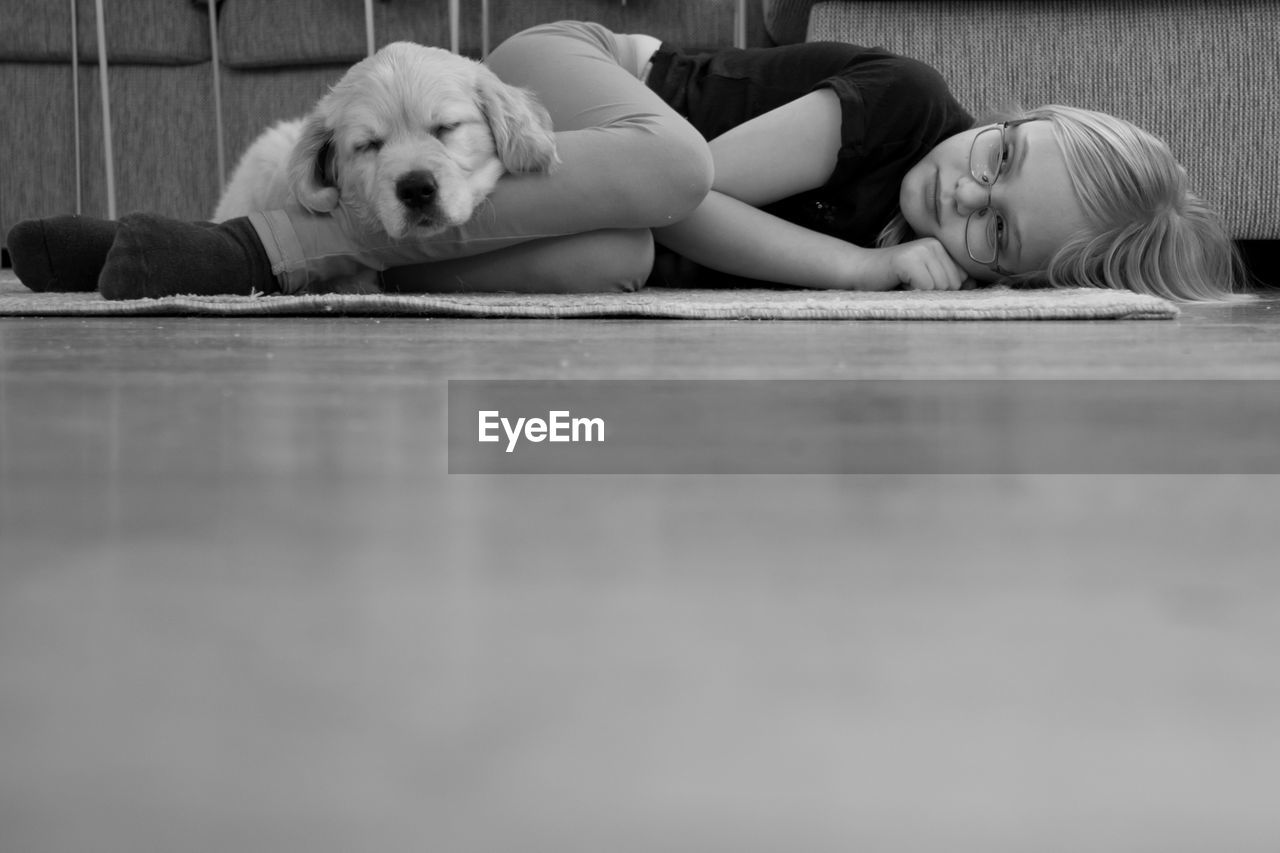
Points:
[[734, 237], [786, 151], [731, 236]]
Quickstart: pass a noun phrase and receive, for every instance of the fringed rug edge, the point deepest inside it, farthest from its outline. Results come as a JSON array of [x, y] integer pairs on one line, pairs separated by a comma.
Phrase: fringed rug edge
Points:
[[654, 304]]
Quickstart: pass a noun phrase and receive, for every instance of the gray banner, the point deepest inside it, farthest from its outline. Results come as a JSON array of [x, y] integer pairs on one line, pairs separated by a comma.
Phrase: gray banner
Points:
[[864, 427]]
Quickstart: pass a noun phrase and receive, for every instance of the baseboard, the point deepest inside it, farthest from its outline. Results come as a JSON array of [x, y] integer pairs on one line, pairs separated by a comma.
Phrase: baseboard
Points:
[[1262, 260]]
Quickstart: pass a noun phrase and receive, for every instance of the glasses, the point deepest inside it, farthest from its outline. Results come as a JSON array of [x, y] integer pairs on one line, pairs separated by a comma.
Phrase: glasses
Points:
[[984, 230]]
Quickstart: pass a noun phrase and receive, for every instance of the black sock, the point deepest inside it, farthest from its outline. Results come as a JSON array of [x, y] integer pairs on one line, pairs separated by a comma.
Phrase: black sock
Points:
[[153, 257], [60, 253]]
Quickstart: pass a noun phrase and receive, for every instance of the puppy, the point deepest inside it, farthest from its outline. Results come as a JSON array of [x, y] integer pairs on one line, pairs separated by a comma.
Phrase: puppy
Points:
[[409, 142]]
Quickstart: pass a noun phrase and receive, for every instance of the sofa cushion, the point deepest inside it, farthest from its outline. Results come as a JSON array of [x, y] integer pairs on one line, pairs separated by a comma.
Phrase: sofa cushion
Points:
[[148, 32], [787, 21], [163, 130], [700, 24], [276, 33]]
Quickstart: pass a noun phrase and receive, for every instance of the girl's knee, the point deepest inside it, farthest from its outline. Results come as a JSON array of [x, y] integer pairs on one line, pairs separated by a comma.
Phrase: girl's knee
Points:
[[668, 178], [635, 259], [609, 261]]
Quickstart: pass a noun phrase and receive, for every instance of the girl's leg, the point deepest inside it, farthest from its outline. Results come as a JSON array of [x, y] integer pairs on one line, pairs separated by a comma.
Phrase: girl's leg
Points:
[[617, 260], [60, 253], [67, 253]]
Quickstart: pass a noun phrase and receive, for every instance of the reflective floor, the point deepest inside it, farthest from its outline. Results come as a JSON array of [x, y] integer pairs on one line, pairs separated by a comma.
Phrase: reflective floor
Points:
[[244, 607]]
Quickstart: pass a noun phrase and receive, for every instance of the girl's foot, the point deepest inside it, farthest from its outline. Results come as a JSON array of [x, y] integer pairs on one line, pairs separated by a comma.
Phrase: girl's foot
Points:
[[60, 253], [152, 257]]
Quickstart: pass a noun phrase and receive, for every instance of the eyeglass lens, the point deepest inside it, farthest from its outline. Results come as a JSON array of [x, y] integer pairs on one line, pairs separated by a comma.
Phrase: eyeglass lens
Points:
[[981, 236], [986, 155]]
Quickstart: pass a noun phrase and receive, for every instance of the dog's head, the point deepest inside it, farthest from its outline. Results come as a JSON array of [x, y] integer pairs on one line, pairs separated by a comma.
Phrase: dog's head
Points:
[[413, 138]]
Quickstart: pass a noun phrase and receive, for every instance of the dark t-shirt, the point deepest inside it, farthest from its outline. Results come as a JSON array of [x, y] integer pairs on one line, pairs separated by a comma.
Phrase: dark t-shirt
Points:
[[894, 111]]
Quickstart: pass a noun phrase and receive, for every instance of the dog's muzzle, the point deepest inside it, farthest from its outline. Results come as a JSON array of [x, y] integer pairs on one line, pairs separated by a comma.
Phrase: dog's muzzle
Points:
[[417, 191]]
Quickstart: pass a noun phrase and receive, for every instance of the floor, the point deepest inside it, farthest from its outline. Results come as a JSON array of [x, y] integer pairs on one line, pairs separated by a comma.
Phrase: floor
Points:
[[244, 607]]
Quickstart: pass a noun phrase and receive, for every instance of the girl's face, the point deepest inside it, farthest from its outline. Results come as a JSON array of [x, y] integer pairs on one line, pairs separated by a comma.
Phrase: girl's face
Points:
[[1025, 210]]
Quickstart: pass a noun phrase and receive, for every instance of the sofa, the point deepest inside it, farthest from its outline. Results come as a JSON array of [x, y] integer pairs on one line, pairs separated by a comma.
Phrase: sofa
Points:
[[1203, 74]]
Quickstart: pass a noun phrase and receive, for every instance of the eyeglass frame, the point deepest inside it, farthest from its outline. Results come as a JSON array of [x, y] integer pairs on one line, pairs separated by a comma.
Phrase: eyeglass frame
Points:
[[1003, 128]]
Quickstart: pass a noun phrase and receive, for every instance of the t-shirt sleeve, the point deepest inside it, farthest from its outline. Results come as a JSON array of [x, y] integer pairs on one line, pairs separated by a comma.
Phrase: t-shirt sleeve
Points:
[[894, 110]]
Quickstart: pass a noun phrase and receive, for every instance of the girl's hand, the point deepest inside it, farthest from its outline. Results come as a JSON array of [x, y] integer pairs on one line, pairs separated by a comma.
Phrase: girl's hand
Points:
[[924, 265]]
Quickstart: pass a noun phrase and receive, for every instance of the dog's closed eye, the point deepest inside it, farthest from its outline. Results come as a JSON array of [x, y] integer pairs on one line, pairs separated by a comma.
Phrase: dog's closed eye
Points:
[[369, 146]]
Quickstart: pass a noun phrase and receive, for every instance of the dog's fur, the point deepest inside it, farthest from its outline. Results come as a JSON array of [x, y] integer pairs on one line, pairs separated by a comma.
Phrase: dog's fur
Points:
[[410, 141]]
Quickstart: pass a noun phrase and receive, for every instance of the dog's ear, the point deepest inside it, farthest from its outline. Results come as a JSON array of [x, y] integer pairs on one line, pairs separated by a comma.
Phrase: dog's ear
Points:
[[520, 125], [313, 167]]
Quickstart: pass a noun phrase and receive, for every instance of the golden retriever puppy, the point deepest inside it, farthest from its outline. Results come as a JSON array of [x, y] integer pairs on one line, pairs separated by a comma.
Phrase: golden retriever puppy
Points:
[[410, 141]]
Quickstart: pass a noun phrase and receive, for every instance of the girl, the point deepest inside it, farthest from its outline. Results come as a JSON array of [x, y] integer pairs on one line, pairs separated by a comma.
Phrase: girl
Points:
[[827, 166]]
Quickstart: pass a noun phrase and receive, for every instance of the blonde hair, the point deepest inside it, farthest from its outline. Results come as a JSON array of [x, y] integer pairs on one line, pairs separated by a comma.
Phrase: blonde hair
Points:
[[1152, 234]]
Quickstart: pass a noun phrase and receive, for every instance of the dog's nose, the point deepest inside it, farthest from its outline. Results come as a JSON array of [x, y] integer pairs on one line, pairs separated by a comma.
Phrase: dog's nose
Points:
[[417, 190]]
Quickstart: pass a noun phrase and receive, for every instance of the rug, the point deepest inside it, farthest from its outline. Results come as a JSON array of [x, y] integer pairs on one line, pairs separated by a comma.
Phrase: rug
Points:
[[655, 303]]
